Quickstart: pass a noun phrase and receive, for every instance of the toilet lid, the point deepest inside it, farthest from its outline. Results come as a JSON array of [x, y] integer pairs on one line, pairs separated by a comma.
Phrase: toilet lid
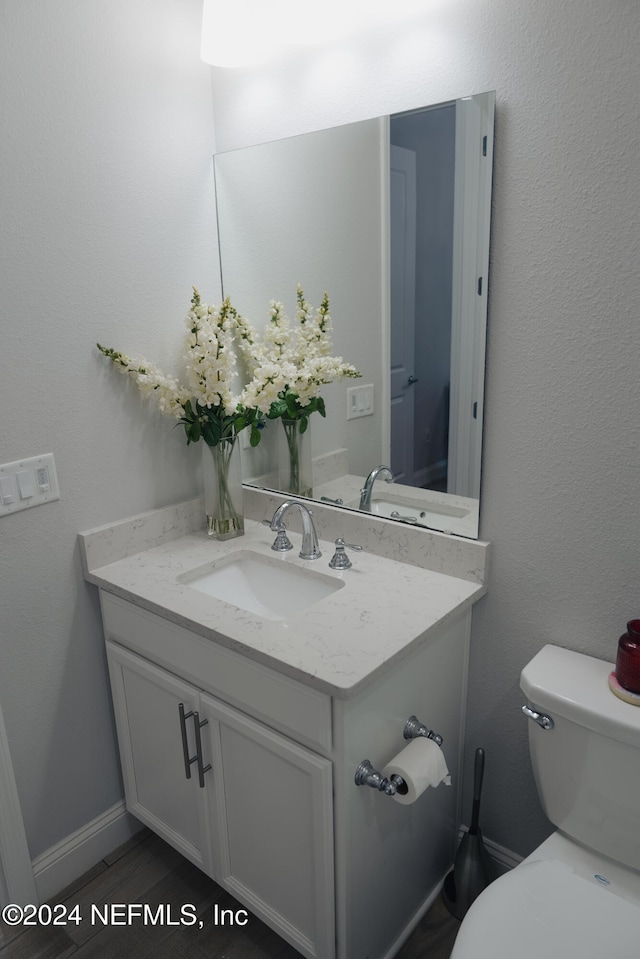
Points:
[[543, 909]]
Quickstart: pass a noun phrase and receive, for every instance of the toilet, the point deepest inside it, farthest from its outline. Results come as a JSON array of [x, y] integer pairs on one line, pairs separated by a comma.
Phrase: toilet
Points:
[[577, 894]]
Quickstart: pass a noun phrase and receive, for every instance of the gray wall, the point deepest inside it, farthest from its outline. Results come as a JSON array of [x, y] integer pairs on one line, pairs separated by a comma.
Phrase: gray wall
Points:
[[562, 436], [108, 219], [107, 206]]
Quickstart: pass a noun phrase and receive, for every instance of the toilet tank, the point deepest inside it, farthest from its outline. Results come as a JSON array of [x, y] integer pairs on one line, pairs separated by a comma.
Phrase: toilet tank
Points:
[[587, 768]]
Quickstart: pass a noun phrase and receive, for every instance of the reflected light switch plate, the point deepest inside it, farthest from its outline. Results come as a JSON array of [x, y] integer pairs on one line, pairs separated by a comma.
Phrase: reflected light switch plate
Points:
[[359, 401]]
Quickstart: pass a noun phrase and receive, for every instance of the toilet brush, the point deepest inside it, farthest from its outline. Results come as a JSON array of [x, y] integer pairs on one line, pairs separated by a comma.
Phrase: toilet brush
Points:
[[472, 867]]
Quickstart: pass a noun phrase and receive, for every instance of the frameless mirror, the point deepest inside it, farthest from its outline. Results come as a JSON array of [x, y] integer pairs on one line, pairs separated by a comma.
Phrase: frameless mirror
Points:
[[391, 217]]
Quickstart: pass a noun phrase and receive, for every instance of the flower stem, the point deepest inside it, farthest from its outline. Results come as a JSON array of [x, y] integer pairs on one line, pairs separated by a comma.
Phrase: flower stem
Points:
[[299, 473], [222, 491], [291, 433]]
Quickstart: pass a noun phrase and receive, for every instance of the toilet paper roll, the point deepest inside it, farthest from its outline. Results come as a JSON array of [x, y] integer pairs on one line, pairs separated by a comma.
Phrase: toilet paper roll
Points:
[[421, 764]]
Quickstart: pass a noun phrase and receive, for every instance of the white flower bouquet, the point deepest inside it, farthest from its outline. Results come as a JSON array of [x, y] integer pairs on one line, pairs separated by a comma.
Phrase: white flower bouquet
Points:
[[206, 407], [289, 363], [286, 367]]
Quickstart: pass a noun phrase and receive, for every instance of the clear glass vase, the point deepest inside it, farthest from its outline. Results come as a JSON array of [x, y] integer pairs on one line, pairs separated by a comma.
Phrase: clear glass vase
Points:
[[294, 459], [222, 478]]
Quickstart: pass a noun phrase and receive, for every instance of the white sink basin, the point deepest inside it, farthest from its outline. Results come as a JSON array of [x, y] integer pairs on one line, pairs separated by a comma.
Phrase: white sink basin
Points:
[[268, 586]]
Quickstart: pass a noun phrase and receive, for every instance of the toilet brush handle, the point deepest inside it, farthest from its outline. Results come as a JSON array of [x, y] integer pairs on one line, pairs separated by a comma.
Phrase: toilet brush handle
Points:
[[478, 773]]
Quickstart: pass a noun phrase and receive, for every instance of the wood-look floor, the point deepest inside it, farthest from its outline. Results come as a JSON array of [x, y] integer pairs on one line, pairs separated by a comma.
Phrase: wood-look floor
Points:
[[147, 870]]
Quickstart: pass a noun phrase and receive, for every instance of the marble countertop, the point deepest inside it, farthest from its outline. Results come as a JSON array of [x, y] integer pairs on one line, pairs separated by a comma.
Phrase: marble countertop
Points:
[[338, 645]]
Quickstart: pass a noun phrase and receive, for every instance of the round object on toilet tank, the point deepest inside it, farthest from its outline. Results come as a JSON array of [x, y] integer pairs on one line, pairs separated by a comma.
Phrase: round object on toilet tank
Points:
[[628, 658]]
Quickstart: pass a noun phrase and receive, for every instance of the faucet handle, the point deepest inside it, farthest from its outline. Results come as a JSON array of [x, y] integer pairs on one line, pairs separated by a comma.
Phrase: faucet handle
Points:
[[394, 514], [340, 560], [281, 543]]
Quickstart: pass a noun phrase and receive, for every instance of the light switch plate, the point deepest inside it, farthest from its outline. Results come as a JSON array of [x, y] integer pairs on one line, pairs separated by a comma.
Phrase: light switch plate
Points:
[[359, 401], [26, 483]]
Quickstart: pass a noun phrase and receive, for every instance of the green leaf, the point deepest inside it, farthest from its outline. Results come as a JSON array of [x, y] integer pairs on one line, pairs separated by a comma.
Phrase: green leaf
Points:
[[278, 408], [292, 405], [193, 431], [304, 422]]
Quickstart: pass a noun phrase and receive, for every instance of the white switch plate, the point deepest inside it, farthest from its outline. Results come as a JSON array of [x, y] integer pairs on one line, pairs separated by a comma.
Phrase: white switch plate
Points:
[[27, 483], [359, 401]]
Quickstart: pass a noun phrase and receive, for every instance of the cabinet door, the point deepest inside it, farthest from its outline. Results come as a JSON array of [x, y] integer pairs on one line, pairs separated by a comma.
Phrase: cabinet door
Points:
[[272, 827], [146, 701]]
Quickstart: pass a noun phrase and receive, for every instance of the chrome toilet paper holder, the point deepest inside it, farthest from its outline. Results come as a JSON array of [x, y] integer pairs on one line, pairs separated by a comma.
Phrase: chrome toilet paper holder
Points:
[[368, 775], [414, 728]]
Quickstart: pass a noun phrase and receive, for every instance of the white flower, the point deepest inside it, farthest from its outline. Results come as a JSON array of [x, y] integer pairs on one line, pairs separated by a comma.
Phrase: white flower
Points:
[[152, 383], [291, 361], [207, 405], [210, 358], [285, 363]]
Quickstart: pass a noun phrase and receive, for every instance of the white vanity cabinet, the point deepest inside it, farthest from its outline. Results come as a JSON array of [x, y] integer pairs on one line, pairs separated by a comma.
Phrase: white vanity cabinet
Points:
[[248, 805], [272, 826], [146, 703], [338, 870]]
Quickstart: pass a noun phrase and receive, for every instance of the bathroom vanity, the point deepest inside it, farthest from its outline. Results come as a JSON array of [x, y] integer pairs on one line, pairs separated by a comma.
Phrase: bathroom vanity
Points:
[[240, 733]]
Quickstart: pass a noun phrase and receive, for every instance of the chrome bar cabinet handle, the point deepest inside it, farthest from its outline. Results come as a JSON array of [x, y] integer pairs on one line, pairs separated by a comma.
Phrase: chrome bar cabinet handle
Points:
[[189, 760], [202, 769]]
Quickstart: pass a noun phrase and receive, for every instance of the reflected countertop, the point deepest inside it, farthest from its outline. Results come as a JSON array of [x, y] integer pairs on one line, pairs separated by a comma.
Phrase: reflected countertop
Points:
[[430, 509]]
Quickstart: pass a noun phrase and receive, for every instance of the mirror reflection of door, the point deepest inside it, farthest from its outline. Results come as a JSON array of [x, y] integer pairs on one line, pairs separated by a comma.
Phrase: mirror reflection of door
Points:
[[402, 225], [424, 381]]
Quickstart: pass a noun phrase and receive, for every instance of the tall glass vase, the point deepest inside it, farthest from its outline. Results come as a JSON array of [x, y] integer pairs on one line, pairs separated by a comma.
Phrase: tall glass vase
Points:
[[294, 459], [222, 478]]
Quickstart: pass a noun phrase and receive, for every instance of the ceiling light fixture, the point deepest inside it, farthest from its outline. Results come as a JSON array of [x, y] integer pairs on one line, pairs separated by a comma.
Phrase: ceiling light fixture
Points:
[[237, 33]]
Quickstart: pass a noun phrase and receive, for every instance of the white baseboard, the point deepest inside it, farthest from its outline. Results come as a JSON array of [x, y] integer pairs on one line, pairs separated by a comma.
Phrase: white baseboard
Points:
[[415, 919], [505, 858], [63, 863]]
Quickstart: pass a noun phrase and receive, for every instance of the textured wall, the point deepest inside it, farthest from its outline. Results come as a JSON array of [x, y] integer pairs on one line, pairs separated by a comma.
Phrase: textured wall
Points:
[[562, 435], [107, 219], [107, 207]]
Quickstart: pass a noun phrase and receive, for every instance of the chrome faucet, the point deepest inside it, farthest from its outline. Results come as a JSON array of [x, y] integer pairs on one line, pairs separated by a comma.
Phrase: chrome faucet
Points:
[[310, 548], [367, 489]]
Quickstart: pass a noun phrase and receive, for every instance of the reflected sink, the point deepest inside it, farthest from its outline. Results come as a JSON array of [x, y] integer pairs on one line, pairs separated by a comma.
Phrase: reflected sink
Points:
[[269, 587], [423, 511]]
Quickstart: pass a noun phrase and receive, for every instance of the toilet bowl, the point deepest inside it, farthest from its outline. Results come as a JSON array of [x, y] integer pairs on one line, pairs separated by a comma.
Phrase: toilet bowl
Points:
[[560, 902], [578, 893]]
